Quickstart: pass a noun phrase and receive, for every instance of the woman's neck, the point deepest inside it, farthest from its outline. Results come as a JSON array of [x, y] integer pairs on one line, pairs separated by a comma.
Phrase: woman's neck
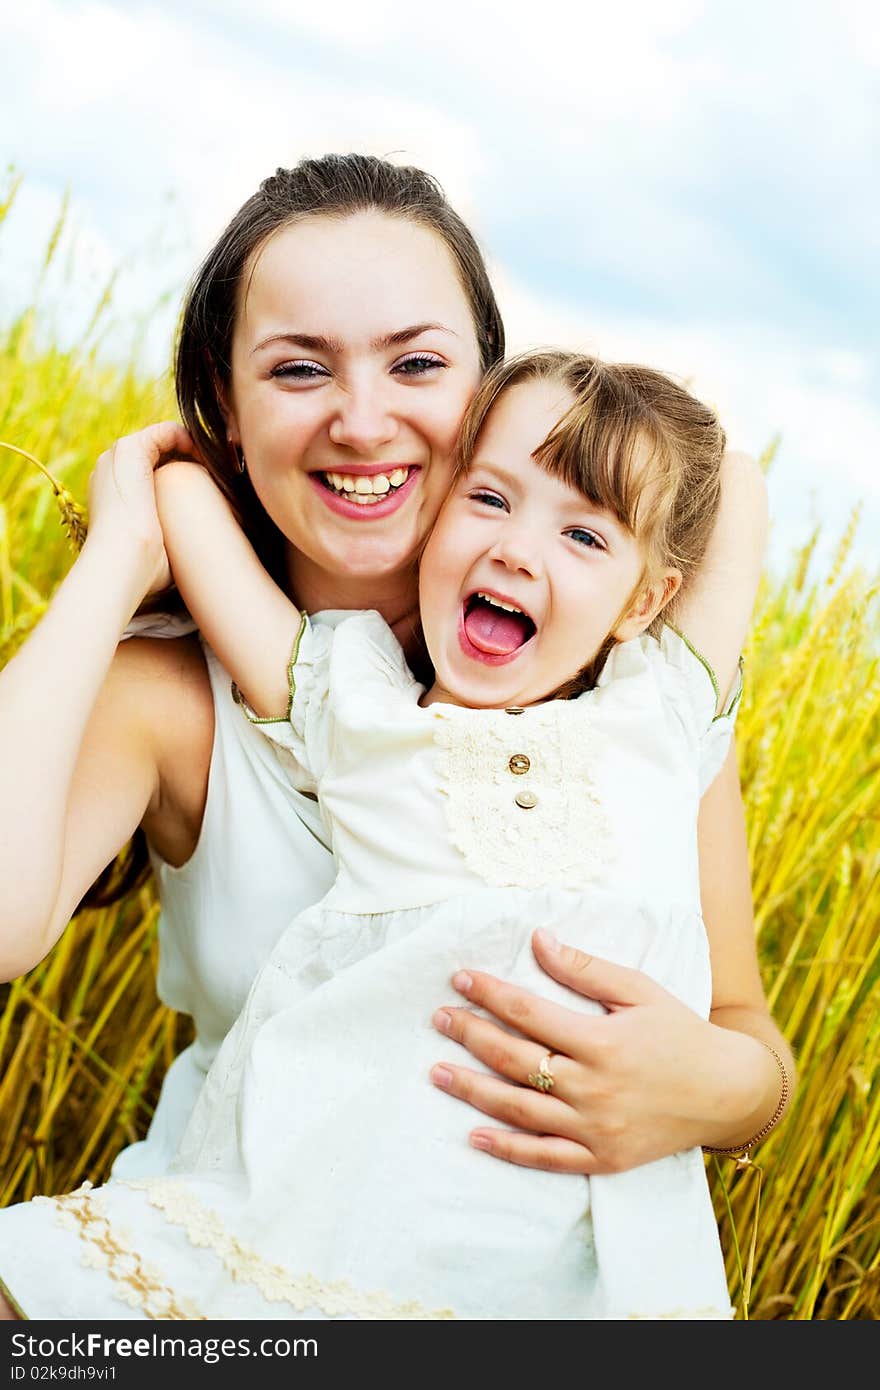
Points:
[[395, 596]]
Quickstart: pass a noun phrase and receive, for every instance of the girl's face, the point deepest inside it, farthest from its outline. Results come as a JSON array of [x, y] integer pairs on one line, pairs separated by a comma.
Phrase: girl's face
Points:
[[513, 537], [353, 359]]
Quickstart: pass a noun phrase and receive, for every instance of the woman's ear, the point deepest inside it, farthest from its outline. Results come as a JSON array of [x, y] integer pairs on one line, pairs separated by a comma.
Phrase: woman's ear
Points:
[[649, 601], [227, 410]]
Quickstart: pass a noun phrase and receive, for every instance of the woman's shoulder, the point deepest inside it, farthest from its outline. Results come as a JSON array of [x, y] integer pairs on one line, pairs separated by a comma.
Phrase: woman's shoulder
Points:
[[152, 679], [162, 691]]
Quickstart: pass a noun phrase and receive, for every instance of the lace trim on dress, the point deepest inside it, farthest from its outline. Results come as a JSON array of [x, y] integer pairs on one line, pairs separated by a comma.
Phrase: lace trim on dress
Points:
[[136, 1284], [520, 794], [205, 1229]]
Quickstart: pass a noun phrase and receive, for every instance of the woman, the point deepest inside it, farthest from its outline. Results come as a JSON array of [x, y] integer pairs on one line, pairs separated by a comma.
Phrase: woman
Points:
[[330, 345]]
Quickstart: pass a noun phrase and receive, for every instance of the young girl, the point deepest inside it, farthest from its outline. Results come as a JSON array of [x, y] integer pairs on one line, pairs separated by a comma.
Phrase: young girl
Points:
[[333, 1180]]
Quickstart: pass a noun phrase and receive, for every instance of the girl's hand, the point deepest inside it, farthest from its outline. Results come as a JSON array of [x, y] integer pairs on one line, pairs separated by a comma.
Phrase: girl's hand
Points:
[[646, 1079], [122, 499]]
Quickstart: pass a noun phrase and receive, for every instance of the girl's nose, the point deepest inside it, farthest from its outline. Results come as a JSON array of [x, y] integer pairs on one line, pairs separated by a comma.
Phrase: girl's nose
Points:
[[362, 422], [517, 550]]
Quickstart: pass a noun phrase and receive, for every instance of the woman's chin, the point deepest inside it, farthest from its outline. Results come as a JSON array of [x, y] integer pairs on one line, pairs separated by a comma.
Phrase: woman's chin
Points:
[[360, 558]]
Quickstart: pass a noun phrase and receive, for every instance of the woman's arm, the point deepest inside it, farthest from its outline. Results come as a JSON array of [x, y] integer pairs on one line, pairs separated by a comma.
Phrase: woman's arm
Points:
[[650, 1078], [714, 611], [738, 1000], [647, 1079], [81, 743], [248, 621]]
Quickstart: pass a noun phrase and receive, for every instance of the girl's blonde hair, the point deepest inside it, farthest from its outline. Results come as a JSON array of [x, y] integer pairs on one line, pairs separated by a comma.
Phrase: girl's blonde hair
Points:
[[634, 442]]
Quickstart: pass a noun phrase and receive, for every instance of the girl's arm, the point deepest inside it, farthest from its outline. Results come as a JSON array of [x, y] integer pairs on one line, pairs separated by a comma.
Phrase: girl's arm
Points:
[[715, 610], [248, 621]]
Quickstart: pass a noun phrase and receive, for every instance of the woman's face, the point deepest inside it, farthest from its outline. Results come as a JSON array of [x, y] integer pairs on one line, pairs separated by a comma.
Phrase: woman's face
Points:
[[354, 358]]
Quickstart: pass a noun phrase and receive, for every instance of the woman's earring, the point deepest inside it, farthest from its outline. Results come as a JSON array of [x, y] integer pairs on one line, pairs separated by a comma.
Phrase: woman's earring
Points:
[[237, 454]]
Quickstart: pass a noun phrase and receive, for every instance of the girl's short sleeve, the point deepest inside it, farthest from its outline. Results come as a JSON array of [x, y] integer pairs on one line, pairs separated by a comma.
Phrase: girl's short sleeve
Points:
[[670, 671], [301, 734], [693, 685], [716, 740]]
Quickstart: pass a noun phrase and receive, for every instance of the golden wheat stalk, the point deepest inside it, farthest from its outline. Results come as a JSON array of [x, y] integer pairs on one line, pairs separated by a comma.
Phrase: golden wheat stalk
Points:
[[73, 516]]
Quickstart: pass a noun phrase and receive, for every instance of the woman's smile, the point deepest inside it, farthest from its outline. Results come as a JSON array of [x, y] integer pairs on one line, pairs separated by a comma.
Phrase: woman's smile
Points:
[[368, 492]]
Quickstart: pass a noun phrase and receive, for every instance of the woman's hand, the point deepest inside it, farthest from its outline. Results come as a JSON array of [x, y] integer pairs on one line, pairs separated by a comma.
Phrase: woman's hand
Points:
[[646, 1079], [122, 499]]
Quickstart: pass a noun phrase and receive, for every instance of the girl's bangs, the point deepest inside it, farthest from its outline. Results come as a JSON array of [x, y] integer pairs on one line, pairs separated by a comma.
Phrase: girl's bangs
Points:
[[614, 458]]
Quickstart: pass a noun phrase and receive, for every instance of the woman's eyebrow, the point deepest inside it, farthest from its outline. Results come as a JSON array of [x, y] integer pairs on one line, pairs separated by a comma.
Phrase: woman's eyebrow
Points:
[[405, 335], [317, 343], [306, 341]]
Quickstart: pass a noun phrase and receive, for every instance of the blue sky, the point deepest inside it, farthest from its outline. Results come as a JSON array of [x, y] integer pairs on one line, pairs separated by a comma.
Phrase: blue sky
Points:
[[693, 185]]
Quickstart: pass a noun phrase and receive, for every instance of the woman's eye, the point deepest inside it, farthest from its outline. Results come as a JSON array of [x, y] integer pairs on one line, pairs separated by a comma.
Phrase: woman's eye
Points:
[[489, 499], [299, 371], [585, 538], [419, 364]]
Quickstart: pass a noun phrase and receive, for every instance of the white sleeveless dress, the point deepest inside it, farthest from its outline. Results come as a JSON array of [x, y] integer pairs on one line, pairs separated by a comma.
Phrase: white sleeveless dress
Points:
[[321, 1174], [260, 860]]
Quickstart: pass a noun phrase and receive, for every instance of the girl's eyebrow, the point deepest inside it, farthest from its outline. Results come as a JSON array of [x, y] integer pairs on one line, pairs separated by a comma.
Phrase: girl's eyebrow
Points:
[[511, 481], [501, 475], [315, 343]]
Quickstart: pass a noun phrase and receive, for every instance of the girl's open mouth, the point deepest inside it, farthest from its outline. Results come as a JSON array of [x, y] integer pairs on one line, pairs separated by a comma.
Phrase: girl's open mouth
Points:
[[493, 630], [362, 495]]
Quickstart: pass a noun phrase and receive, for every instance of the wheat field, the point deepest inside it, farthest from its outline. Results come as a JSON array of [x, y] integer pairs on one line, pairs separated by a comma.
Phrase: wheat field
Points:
[[84, 1041]]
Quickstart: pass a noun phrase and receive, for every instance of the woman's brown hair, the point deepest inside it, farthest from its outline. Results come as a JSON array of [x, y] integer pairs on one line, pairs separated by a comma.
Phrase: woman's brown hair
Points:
[[336, 185]]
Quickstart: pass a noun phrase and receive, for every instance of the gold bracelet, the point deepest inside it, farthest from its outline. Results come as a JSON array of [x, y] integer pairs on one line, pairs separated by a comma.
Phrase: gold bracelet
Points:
[[741, 1151]]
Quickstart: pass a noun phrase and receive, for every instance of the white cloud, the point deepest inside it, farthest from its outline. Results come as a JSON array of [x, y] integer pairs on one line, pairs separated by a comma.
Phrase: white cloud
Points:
[[762, 384], [679, 182]]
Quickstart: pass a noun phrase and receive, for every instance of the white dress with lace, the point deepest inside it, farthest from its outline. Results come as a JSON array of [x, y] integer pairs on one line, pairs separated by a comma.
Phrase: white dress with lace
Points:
[[322, 1174]]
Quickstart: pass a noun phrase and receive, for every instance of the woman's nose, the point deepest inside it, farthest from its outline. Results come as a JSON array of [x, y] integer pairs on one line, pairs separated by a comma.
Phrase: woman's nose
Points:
[[362, 421]]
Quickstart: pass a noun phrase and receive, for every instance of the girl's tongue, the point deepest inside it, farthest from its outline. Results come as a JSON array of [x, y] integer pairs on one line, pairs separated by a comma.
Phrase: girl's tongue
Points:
[[494, 630]]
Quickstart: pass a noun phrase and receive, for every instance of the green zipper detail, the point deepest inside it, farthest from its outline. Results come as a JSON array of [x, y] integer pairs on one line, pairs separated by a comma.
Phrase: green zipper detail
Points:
[[291, 683], [741, 667]]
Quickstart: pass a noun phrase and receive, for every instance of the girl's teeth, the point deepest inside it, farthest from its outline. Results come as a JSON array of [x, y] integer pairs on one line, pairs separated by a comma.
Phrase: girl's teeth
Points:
[[497, 603], [398, 477]]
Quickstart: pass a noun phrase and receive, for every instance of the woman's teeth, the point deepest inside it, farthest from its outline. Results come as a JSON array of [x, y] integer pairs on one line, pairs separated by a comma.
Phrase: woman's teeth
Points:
[[366, 490]]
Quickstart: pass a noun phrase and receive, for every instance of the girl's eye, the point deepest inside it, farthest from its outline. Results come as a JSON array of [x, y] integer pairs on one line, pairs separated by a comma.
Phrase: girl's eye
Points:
[[417, 364], [299, 371], [585, 538], [489, 499]]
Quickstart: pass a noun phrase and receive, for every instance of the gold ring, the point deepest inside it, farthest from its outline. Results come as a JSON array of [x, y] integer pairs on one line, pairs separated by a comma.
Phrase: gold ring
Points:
[[543, 1079]]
